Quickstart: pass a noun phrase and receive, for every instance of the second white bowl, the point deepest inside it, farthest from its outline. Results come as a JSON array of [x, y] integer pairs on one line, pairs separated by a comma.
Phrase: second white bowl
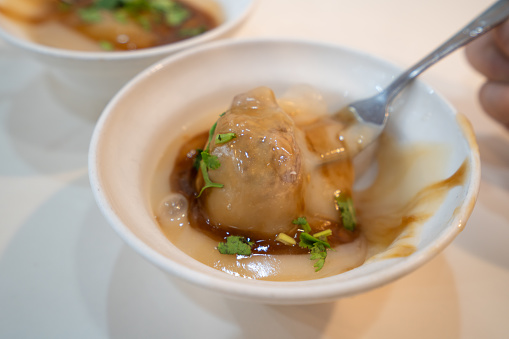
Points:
[[99, 75]]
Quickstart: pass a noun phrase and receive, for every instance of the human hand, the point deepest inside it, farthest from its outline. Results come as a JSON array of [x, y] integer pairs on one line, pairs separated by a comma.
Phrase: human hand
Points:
[[490, 56]]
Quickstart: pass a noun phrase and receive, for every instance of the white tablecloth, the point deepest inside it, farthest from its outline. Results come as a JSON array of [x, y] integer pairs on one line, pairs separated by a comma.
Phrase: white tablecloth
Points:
[[65, 274]]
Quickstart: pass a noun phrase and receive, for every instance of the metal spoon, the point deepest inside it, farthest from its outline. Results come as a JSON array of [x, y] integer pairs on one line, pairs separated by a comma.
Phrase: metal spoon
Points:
[[370, 115]]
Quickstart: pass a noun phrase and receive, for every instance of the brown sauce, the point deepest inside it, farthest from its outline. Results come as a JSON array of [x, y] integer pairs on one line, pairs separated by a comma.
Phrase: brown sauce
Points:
[[182, 180]]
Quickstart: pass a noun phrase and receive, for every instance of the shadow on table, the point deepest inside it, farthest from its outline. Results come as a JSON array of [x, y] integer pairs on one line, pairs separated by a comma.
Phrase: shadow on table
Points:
[[144, 302], [67, 274], [487, 230], [494, 150], [43, 264], [48, 127]]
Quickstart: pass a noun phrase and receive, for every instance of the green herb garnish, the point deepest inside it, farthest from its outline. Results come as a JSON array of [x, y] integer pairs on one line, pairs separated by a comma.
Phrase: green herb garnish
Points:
[[345, 206], [316, 243], [90, 14], [106, 45], [211, 161], [318, 253], [173, 13], [205, 161], [224, 138], [301, 221], [121, 16], [308, 241], [107, 4], [176, 15], [208, 162], [162, 5], [144, 22], [191, 31], [235, 245]]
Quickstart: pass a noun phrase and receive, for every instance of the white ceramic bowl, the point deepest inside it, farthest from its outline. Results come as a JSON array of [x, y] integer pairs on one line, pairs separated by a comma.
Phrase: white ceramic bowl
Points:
[[99, 75], [141, 120]]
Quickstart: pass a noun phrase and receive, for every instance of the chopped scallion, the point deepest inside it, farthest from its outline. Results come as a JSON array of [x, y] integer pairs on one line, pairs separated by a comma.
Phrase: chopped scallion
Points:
[[224, 137], [285, 239]]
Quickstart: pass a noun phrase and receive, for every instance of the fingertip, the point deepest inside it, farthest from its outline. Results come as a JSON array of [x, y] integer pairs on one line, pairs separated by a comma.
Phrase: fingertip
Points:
[[476, 53], [501, 37], [494, 99], [486, 58]]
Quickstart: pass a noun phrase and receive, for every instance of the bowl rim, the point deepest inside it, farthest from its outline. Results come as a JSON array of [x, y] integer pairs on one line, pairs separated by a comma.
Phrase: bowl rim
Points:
[[270, 291], [61, 53]]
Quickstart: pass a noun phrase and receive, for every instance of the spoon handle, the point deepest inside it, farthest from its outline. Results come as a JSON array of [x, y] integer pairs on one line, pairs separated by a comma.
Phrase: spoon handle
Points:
[[487, 20]]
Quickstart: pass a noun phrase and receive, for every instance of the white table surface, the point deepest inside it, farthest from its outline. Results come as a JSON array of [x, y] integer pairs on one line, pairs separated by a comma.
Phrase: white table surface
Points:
[[65, 274]]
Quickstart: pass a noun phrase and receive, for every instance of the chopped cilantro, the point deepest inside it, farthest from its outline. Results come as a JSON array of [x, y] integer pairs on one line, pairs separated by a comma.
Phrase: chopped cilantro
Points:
[[191, 31], [172, 12], [206, 161], [121, 16], [135, 6], [144, 22], [318, 253], [106, 45], [225, 137], [176, 15], [346, 208], [235, 245], [107, 4], [210, 161], [211, 134], [317, 243], [162, 5], [90, 14], [301, 221], [308, 241]]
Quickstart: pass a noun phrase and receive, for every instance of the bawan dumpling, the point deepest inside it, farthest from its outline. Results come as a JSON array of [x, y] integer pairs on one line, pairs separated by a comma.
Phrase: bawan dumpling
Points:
[[271, 169], [261, 167]]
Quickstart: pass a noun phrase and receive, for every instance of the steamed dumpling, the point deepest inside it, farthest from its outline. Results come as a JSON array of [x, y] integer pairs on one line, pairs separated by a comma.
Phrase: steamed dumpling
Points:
[[273, 170]]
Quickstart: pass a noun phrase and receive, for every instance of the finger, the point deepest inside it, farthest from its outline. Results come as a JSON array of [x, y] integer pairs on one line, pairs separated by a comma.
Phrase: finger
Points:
[[485, 56], [494, 98], [501, 36]]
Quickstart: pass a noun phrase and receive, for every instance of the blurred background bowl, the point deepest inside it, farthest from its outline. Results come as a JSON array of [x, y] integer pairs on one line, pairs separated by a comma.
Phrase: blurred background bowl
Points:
[[92, 78], [165, 100]]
